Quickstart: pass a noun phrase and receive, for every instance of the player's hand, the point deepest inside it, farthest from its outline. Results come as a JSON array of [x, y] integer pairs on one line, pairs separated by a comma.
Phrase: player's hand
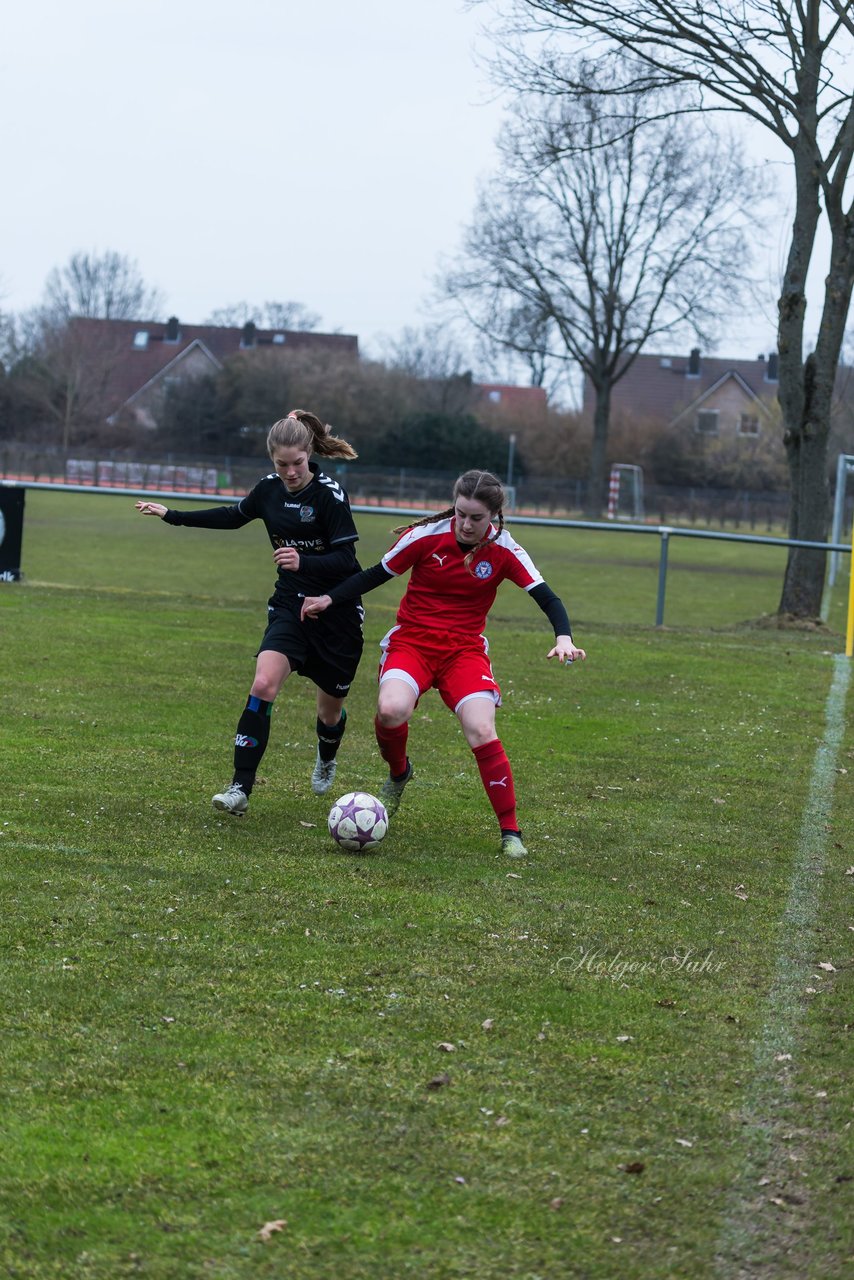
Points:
[[565, 651], [287, 558], [151, 509], [313, 605]]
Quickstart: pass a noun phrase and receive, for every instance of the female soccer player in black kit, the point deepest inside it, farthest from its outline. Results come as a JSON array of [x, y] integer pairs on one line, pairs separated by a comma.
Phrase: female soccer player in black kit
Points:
[[307, 515]]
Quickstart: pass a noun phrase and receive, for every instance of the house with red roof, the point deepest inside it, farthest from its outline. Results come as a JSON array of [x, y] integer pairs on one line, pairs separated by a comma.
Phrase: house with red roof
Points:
[[142, 359]]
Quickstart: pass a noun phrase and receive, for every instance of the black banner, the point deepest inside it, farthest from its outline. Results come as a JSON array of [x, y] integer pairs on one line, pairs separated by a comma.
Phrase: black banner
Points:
[[11, 531]]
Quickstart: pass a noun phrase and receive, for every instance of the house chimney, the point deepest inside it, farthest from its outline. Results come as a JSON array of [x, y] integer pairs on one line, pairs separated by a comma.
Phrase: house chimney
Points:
[[694, 363], [173, 329], [772, 372], [248, 337]]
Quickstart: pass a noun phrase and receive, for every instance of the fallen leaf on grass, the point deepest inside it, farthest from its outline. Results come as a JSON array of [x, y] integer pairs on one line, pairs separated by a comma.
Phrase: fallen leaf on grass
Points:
[[556, 1204], [683, 1142], [665, 1004], [827, 966], [446, 1046], [634, 1166], [270, 1228], [782, 1057], [487, 1024], [438, 1081], [501, 1121], [307, 824]]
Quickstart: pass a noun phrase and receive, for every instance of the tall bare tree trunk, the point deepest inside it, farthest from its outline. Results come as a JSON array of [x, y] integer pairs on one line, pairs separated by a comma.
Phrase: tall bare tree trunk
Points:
[[598, 454], [806, 386]]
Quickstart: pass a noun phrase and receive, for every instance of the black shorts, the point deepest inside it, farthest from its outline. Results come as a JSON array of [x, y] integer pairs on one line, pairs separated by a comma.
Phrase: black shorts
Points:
[[326, 650]]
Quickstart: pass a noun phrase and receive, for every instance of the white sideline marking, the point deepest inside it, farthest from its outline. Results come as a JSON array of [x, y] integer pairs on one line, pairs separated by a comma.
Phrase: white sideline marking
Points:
[[785, 1000], [48, 848]]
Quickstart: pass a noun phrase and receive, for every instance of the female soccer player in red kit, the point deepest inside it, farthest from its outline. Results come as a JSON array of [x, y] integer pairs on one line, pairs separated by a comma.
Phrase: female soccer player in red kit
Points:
[[457, 560]]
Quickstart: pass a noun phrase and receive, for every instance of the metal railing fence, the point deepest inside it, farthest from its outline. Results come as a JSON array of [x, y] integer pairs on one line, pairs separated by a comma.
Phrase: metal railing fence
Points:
[[663, 532]]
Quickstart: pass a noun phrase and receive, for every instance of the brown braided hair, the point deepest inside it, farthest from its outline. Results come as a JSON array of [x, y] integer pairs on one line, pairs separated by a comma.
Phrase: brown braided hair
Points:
[[481, 486], [304, 430]]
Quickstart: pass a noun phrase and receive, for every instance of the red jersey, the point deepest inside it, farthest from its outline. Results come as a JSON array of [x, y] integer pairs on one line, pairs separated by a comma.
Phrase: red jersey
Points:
[[445, 595]]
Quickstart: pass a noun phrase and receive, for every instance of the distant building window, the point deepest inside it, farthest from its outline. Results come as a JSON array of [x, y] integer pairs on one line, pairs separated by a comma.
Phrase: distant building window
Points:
[[665, 362], [140, 339], [748, 425], [495, 397], [707, 422], [278, 339]]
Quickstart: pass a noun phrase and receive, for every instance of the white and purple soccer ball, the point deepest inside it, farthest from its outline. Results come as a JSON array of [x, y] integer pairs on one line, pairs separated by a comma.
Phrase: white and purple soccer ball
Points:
[[358, 822]]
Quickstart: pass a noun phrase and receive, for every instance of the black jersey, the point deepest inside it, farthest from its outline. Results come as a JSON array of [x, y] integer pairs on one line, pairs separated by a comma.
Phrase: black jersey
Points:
[[316, 520]]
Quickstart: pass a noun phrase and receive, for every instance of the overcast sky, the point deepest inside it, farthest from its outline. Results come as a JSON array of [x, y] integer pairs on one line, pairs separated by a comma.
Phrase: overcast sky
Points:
[[322, 151]]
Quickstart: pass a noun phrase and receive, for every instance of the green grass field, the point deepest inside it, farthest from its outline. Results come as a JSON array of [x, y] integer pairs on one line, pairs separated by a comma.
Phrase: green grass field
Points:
[[210, 1024]]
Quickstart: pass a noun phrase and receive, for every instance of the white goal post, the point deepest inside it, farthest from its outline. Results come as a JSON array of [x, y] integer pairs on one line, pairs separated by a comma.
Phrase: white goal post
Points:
[[625, 492]]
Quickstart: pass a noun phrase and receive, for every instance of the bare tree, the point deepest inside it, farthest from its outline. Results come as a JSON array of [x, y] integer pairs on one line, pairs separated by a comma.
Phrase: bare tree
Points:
[[437, 364], [600, 234], [786, 67], [61, 369], [105, 287], [271, 315]]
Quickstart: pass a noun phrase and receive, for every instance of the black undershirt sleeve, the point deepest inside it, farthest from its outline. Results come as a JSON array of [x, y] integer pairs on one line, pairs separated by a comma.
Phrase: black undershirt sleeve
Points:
[[356, 586], [209, 518], [332, 565], [553, 607]]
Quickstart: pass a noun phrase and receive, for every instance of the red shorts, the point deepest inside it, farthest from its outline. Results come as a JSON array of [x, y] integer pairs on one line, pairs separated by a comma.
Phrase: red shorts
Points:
[[459, 668]]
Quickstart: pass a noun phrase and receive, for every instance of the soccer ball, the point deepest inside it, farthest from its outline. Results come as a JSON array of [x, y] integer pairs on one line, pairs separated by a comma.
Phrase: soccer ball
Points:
[[358, 822]]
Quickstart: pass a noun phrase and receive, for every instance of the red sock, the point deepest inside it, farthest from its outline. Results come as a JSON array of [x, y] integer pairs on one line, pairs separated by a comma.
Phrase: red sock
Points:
[[497, 778], [392, 745]]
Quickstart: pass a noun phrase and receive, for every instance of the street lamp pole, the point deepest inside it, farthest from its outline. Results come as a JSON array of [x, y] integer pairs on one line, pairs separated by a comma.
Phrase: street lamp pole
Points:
[[511, 450]]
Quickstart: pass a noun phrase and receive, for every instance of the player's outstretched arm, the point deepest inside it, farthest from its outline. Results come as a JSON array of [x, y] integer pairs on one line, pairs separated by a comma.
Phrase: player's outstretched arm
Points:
[[151, 509], [313, 605], [565, 651]]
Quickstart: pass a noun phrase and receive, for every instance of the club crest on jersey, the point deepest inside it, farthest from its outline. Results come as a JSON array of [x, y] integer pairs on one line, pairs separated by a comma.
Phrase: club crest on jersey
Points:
[[306, 514], [483, 569]]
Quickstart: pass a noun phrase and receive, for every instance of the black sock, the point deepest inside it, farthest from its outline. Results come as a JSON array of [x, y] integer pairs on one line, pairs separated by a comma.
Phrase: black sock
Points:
[[329, 737], [250, 741]]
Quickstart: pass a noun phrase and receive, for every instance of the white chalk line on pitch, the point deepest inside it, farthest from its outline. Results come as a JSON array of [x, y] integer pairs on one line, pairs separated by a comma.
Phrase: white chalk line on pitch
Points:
[[785, 1000], [40, 847]]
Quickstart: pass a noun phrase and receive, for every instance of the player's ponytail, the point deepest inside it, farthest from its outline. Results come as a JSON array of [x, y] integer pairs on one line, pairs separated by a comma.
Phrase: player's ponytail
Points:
[[431, 519], [302, 429]]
